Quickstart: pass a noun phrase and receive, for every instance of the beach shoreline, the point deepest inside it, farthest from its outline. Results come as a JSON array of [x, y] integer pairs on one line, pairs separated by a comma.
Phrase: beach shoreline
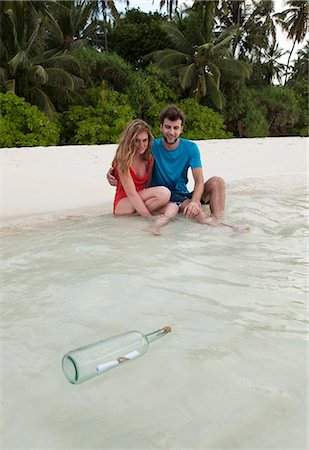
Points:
[[44, 182]]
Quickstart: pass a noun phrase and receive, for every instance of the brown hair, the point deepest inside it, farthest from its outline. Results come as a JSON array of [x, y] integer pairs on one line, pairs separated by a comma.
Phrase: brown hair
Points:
[[172, 113], [126, 150]]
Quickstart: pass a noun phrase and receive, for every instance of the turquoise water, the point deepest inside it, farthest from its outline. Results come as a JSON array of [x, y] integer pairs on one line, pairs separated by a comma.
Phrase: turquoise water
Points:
[[232, 374]]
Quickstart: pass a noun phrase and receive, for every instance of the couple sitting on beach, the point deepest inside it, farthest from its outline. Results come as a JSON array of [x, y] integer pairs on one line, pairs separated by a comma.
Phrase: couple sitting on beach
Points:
[[152, 175]]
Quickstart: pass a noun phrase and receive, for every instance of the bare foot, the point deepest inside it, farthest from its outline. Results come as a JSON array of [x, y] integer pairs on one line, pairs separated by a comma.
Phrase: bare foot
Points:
[[158, 222], [153, 229], [241, 230], [218, 222]]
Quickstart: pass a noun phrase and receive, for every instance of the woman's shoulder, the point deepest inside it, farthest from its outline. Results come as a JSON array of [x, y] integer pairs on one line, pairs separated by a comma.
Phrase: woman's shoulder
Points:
[[149, 162]]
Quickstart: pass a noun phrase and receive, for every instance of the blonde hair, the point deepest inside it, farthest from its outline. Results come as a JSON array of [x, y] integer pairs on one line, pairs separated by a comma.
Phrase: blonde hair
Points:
[[126, 150]]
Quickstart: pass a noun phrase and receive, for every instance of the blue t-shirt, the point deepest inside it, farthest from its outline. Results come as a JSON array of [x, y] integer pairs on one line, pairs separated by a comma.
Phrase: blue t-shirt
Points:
[[170, 167]]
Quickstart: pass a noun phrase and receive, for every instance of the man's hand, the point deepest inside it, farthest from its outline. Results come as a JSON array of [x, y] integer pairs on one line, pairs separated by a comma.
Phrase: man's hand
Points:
[[111, 177], [192, 209]]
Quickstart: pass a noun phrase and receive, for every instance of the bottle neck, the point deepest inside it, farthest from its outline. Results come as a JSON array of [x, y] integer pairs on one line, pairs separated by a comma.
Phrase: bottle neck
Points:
[[157, 334]]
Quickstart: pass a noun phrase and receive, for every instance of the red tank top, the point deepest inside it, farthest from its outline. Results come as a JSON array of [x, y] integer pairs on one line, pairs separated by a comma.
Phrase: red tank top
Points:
[[140, 183]]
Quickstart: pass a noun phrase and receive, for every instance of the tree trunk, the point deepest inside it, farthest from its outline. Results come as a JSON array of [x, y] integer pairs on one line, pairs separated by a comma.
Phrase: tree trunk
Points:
[[288, 63]]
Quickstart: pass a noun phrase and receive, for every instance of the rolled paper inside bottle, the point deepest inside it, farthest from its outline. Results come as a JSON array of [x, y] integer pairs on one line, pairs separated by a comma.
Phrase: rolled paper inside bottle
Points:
[[106, 366], [131, 355], [110, 364]]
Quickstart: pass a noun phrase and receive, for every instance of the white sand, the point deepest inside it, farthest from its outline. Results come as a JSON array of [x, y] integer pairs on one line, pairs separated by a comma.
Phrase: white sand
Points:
[[53, 180]]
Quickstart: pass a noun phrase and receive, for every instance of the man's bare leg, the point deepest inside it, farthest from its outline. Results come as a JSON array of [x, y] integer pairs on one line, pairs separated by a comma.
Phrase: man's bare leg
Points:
[[214, 221], [214, 195]]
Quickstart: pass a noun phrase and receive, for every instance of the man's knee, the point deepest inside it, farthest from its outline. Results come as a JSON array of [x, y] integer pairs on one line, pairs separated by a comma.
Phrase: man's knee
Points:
[[215, 183]]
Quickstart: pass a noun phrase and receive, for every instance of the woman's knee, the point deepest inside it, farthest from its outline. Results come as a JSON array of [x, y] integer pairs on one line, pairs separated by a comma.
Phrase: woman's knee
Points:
[[163, 193]]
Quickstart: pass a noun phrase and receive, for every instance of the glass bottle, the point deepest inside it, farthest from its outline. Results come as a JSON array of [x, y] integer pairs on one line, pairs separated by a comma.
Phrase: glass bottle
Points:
[[90, 361]]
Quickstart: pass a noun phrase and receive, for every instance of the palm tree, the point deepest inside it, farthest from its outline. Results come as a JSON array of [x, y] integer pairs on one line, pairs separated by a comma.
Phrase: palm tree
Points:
[[170, 5], [200, 56], [271, 66], [107, 9], [233, 13], [257, 31], [48, 82], [73, 25], [294, 21], [106, 14], [301, 65]]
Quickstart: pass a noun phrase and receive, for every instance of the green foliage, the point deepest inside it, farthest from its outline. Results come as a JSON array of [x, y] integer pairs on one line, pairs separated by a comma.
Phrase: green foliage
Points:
[[148, 93], [200, 56], [301, 90], [281, 109], [202, 122], [23, 125], [98, 66], [244, 115], [101, 124], [301, 66], [137, 35], [213, 46], [271, 111], [44, 78]]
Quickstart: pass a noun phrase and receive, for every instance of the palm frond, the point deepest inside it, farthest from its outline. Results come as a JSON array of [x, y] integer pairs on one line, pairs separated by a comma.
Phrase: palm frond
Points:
[[187, 75], [20, 59], [42, 100], [176, 37], [234, 67], [213, 70], [214, 93], [64, 61], [60, 78], [169, 57], [38, 74], [3, 75], [202, 85]]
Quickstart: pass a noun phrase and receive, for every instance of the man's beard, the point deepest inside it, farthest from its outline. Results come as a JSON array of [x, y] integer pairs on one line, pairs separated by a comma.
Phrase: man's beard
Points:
[[170, 143]]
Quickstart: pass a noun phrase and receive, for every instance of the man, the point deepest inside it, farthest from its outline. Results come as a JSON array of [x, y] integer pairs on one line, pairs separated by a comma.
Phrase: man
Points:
[[173, 156]]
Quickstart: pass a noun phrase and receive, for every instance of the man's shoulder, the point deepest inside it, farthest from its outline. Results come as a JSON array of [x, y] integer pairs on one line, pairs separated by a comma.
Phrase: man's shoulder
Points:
[[189, 144]]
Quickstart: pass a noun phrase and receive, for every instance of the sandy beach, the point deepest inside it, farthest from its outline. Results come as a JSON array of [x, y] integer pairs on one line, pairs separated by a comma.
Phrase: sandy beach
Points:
[[59, 180]]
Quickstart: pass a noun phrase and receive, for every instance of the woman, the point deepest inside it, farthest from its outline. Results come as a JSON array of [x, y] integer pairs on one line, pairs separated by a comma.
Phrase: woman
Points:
[[133, 164]]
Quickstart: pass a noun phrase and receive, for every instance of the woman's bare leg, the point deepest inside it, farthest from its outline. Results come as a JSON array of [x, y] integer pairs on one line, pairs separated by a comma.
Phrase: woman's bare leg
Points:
[[167, 213], [154, 198]]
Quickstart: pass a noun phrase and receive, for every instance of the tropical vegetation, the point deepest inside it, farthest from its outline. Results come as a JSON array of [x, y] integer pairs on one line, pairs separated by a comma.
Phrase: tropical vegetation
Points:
[[81, 69]]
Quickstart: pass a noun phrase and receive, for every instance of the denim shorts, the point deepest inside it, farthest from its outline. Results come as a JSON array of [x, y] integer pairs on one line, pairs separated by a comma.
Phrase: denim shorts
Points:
[[180, 198]]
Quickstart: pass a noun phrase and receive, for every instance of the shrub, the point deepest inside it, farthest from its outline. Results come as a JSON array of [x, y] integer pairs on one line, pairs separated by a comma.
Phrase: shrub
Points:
[[98, 66], [24, 125], [202, 122], [281, 109], [148, 93], [100, 124], [301, 90], [142, 34], [244, 115]]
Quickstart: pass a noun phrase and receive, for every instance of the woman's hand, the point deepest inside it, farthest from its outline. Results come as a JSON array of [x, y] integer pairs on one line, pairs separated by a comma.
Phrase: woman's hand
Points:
[[111, 177]]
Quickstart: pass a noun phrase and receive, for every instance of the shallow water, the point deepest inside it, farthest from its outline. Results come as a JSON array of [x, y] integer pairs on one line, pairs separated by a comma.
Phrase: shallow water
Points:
[[231, 375]]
